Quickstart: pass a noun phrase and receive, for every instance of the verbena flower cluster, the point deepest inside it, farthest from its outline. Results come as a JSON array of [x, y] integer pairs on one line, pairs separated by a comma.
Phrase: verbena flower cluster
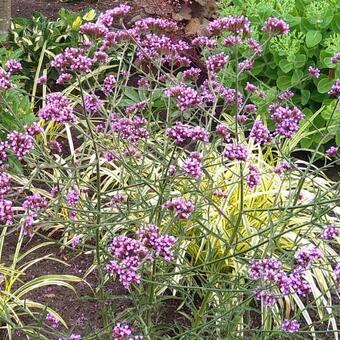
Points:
[[130, 254], [123, 331], [57, 108], [273, 278]]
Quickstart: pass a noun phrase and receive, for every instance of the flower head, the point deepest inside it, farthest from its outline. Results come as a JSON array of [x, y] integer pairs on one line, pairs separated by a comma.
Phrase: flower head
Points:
[[13, 66], [182, 208], [290, 326], [275, 26]]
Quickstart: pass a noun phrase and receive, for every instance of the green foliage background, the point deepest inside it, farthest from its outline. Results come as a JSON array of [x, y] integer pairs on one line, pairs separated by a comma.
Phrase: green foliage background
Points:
[[313, 39]]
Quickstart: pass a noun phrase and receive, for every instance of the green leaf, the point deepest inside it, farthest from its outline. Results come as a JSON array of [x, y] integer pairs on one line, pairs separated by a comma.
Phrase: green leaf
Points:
[[313, 38], [293, 21], [337, 139], [324, 85], [283, 82], [285, 66], [305, 95], [330, 111], [132, 94], [15, 165], [300, 60], [306, 142], [296, 77]]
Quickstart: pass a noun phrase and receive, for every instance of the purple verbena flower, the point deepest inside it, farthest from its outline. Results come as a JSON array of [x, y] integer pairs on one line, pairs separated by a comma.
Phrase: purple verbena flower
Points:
[[191, 73], [314, 71], [5, 82], [255, 46], [161, 244], [234, 24], [101, 57], [266, 269], [52, 320], [5, 184], [334, 91], [223, 131], [260, 133], [93, 30], [282, 167], [109, 84], [64, 78], [139, 106], [236, 151], [285, 95], [245, 65], [73, 59], [93, 103], [232, 40], [182, 208], [13, 66], [35, 202], [332, 151], [6, 212], [330, 231], [203, 41], [42, 80], [254, 176], [250, 87], [72, 198], [267, 298], [144, 83], [186, 96], [275, 26], [305, 256], [216, 62], [286, 119], [20, 143], [290, 326], [34, 129], [335, 58], [192, 165], [57, 108], [121, 332], [250, 108], [131, 130], [184, 133]]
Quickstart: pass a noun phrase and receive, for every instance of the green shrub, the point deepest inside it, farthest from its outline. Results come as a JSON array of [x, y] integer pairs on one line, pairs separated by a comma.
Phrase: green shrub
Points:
[[314, 37]]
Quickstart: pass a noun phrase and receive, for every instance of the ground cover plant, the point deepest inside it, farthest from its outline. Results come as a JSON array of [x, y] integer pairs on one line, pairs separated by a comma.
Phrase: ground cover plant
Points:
[[169, 174], [311, 42]]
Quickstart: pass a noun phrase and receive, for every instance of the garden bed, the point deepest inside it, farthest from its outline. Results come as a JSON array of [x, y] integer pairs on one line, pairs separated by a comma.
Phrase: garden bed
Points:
[[183, 191]]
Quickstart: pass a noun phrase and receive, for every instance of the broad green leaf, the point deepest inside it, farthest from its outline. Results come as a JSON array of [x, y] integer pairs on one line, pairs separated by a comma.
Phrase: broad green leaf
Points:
[[324, 85], [313, 38], [330, 111], [283, 82], [300, 60], [337, 139], [305, 95], [296, 77], [285, 66]]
